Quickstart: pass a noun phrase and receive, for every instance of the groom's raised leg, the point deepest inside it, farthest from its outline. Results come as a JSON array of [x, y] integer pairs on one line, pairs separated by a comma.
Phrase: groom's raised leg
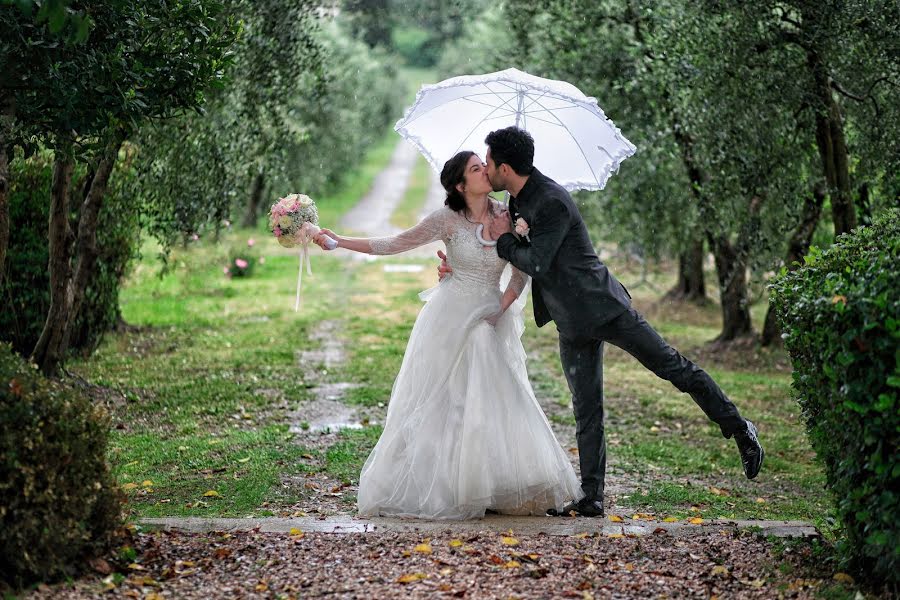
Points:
[[582, 362], [631, 332]]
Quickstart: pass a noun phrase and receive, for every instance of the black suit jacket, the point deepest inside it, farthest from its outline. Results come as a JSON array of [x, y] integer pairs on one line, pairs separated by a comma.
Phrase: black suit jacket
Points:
[[570, 284]]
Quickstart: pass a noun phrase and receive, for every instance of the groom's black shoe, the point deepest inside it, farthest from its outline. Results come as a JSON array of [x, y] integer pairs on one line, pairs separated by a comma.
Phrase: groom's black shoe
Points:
[[586, 507], [751, 451]]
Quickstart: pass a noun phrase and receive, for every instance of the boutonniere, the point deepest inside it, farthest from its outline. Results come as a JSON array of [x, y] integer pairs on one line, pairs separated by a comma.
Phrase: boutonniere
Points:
[[522, 229]]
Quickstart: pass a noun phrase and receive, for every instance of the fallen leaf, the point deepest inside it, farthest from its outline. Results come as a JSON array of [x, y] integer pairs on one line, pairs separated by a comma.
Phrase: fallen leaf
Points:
[[843, 578], [717, 492], [839, 298], [761, 500], [509, 541], [629, 567], [513, 564], [406, 553], [243, 460], [660, 531], [582, 535], [573, 450], [129, 486], [153, 596], [222, 552], [295, 533], [262, 586], [616, 518], [411, 578], [147, 483], [695, 508], [455, 543], [446, 571], [136, 567], [307, 456], [670, 520], [211, 494], [100, 565], [719, 570], [495, 559], [423, 548], [642, 517], [695, 521], [616, 535]]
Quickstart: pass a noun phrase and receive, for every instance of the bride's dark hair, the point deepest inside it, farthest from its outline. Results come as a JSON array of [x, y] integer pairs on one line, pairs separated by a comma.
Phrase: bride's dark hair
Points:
[[454, 173]]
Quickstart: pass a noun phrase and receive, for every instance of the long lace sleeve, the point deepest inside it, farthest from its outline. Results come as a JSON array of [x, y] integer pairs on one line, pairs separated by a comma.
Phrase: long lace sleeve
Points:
[[517, 281], [430, 229]]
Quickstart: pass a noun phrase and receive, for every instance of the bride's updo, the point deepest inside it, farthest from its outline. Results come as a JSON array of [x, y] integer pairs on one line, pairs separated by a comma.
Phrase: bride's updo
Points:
[[454, 173]]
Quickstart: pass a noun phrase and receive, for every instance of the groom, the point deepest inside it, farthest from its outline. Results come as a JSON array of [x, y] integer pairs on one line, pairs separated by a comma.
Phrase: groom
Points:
[[589, 306]]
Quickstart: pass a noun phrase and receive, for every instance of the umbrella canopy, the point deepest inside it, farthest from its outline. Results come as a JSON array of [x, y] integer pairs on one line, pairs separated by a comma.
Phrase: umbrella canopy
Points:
[[575, 144]]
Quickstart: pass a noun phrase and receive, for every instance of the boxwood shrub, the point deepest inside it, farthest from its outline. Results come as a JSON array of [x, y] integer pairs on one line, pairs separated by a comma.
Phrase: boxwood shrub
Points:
[[840, 313]]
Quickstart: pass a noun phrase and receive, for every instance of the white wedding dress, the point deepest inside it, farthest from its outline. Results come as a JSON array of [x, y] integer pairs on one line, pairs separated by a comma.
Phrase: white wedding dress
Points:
[[464, 431]]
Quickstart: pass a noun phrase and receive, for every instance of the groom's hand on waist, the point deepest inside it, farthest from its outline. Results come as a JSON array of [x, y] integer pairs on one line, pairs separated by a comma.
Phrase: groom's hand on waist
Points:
[[444, 269]]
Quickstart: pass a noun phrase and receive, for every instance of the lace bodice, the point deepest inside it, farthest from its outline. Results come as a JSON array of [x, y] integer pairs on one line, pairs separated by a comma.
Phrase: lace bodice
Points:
[[472, 263]]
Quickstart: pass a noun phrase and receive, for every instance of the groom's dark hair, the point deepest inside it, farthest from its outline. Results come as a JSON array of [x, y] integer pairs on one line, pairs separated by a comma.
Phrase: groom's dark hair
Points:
[[512, 146]]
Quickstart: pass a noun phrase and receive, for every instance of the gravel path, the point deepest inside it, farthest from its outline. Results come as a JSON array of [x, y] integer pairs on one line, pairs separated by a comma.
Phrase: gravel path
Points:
[[442, 565]]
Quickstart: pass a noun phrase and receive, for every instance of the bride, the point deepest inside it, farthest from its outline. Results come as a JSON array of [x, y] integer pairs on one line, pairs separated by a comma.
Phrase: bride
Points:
[[464, 432]]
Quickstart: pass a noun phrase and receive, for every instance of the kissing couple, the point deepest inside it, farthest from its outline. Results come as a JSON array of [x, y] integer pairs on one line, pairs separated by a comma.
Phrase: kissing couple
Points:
[[464, 433]]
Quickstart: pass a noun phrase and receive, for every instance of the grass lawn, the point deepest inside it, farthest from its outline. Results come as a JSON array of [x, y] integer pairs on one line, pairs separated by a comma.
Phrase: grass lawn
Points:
[[204, 384], [406, 214]]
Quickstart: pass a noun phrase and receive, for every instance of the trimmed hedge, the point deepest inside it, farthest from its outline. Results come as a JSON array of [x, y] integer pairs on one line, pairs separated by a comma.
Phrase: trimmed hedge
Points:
[[58, 500], [841, 316]]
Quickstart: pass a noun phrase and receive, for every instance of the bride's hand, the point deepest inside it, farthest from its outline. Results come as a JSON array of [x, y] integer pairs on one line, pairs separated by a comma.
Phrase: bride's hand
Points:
[[492, 319], [326, 239]]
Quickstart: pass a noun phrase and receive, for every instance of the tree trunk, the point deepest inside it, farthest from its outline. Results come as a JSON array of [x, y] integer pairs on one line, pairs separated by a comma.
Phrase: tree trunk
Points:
[[256, 192], [5, 116], [691, 285], [731, 271], [46, 352], [798, 246], [832, 146], [86, 243]]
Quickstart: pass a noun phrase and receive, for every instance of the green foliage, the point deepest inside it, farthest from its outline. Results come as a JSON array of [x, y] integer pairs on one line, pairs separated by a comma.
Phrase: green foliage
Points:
[[58, 502], [841, 316], [24, 290]]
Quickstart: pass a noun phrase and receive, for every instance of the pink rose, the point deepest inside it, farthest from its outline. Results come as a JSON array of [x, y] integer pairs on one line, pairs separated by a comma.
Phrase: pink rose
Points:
[[195, 237], [241, 263], [277, 231], [226, 270], [250, 242]]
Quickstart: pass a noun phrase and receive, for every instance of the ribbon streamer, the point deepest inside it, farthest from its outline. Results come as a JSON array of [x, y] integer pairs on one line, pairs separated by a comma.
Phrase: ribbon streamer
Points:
[[307, 231]]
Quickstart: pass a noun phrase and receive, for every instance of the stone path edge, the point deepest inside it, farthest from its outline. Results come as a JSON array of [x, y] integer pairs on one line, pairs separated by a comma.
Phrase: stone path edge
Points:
[[491, 523]]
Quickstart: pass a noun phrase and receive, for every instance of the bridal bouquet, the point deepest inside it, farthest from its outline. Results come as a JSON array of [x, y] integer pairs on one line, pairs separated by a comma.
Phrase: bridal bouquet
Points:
[[294, 220]]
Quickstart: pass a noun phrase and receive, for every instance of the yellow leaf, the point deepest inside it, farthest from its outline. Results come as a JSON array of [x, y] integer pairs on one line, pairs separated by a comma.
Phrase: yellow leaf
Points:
[[839, 298], [642, 517], [446, 571], [719, 570], [513, 564], [760, 500], [695, 521], [695, 508], [411, 578], [423, 548], [262, 587], [136, 567], [406, 554], [718, 492], [582, 535], [147, 483], [243, 460], [670, 520], [629, 567], [129, 486], [153, 596], [509, 541], [843, 578], [616, 535], [616, 518], [211, 494], [455, 543], [294, 532]]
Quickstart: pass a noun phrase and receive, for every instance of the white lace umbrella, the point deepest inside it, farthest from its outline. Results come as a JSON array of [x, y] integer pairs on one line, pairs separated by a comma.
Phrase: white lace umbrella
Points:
[[575, 144]]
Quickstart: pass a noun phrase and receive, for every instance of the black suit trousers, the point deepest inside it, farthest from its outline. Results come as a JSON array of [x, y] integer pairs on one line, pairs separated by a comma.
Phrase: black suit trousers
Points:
[[582, 361]]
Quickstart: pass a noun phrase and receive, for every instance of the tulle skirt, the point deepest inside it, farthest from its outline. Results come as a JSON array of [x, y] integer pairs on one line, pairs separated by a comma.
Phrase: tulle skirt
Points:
[[464, 431]]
